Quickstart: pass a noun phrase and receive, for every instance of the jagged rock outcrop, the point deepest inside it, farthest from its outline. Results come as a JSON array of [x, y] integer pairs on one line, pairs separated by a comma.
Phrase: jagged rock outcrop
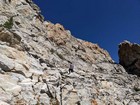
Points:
[[34, 63], [129, 55]]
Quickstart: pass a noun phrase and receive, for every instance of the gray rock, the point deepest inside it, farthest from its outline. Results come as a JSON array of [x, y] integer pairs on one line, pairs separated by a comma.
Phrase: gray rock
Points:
[[6, 64]]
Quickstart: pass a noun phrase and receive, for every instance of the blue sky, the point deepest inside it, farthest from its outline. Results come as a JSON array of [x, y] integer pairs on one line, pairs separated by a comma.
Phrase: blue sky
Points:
[[105, 22]]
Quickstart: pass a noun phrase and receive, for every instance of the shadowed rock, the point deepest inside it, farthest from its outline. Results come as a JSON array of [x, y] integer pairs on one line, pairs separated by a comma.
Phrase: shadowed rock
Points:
[[129, 57]]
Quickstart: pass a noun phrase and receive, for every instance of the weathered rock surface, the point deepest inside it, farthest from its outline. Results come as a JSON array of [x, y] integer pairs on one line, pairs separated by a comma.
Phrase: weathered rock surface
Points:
[[34, 56], [129, 55]]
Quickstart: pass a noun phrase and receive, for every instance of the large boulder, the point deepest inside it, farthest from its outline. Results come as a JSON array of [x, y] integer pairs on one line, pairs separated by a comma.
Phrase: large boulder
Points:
[[129, 57]]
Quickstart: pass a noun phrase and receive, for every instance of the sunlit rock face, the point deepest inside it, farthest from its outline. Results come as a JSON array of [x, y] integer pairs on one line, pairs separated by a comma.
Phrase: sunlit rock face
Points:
[[129, 55], [34, 63]]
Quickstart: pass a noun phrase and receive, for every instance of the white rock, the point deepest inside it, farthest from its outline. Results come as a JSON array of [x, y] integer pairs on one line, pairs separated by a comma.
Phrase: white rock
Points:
[[3, 103], [133, 103]]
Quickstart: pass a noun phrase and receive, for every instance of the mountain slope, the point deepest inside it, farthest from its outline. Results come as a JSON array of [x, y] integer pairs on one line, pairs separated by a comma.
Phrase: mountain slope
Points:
[[34, 63]]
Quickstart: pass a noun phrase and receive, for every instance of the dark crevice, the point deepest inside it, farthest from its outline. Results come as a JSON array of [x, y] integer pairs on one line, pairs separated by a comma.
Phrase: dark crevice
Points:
[[19, 72]]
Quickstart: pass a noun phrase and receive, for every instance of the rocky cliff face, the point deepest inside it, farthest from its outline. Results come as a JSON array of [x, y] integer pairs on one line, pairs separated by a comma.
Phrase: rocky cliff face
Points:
[[34, 63]]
